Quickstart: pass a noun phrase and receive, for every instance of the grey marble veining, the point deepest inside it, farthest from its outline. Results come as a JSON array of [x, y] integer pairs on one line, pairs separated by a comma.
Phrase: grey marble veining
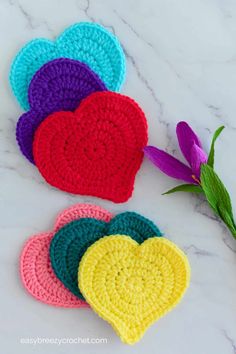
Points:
[[181, 65]]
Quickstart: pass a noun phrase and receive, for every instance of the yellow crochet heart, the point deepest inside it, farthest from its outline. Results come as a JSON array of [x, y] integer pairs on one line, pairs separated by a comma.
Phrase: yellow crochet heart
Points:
[[130, 285]]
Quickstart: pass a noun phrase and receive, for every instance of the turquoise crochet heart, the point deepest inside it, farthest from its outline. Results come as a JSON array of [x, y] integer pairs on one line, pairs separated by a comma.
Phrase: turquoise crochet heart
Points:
[[87, 42], [70, 243]]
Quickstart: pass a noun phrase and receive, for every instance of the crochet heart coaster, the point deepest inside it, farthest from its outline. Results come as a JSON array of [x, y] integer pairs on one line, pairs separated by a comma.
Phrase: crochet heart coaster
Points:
[[130, 285], [95, 151], [35, 266], [87, 42], [59, 85], [70, 242]]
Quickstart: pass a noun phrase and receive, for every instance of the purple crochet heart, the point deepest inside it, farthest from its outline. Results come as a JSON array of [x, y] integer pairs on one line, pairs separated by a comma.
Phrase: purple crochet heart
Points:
[[59, 85]]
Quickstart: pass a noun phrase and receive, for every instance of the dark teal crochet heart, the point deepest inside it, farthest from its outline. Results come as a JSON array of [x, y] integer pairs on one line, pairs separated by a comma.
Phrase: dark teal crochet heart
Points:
[[70, 242]]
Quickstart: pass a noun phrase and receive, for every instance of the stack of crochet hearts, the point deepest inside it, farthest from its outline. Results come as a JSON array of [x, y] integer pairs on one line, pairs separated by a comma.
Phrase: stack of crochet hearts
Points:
[[84, 137], [120, 266]]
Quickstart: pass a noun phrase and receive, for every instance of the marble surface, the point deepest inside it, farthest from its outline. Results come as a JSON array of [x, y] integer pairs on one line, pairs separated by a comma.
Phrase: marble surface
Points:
[[181, 65]]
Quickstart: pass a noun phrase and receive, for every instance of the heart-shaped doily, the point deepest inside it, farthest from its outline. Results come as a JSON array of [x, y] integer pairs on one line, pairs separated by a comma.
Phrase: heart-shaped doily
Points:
[[130, 285], [59, 85], [95, 151], [87, 42], [70, 242], [35, 266]]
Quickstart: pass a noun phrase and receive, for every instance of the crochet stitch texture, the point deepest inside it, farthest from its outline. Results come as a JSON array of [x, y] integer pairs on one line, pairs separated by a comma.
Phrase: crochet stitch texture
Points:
[[35, 267], [59, 85], [88, 42], [70, 242], [130, 285], [95, 151]]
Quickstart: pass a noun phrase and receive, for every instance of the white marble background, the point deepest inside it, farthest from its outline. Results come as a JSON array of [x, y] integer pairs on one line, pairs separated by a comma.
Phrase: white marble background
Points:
[[181, 59]]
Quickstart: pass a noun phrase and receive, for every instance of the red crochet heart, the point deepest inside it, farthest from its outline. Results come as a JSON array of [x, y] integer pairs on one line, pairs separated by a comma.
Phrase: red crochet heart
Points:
[[97, 150]]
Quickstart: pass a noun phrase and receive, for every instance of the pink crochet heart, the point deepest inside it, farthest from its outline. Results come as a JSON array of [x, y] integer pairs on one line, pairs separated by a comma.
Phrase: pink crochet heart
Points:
[[35, 267]]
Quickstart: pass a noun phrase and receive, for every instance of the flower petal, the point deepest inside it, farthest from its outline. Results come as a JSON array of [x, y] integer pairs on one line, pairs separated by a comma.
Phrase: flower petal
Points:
[[198, 157], [186, 138], [169, 164]]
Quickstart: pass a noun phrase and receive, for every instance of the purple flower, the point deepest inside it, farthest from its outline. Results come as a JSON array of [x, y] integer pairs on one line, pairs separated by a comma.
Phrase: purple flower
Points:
[[191, 148]]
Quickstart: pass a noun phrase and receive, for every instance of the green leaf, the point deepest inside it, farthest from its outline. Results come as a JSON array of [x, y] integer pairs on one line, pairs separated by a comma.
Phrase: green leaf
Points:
[[211, 156], [227, 220], [217, 196], [191, 188]]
